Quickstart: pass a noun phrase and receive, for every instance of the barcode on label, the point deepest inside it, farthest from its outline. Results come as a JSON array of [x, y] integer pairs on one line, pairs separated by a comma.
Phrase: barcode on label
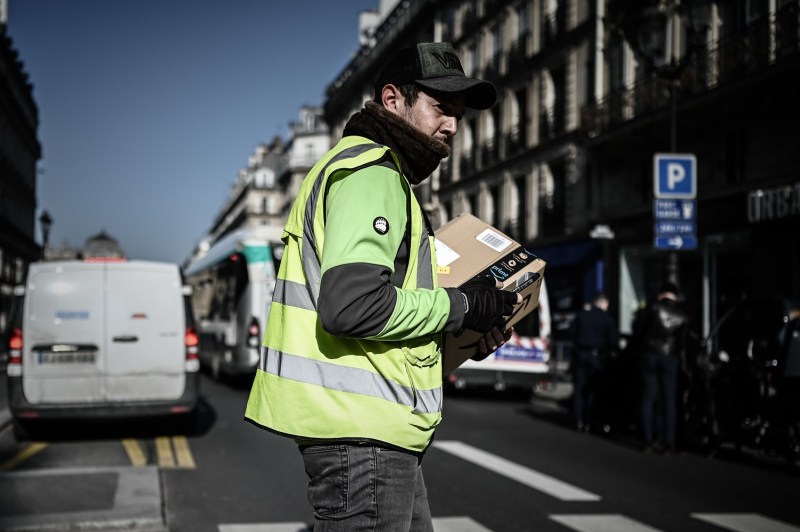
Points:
[[494, 240]]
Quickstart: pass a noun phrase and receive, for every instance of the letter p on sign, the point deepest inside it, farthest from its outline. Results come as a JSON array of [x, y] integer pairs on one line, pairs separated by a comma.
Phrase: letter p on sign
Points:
[[675, 176]]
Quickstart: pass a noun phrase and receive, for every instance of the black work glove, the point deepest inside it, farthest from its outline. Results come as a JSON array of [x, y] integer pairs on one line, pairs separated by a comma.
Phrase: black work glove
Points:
[[485, 305]]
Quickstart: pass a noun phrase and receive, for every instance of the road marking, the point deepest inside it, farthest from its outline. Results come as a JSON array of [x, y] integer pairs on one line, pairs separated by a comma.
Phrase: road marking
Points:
[[602, 523], [182, 452], [164, 452], [440, 524], [529, 477], [174, 453], [746, 522], [266, 527], [135, 453], [23, 455], [457, 524]]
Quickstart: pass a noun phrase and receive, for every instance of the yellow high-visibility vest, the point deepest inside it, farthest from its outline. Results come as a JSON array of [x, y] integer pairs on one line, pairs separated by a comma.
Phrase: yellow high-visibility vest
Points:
[[314, 386]]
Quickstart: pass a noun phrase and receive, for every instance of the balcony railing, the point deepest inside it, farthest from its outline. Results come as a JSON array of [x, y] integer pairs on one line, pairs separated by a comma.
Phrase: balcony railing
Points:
[[515, 140], [735, 57], [551, 124], [466, 166], [446, 172], [490, 153], [518, 54], [491, 71], [555, 25], [469, 21]]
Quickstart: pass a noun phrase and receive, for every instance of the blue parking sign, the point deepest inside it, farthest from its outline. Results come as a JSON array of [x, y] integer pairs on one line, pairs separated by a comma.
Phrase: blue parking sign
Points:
[[675, 175]]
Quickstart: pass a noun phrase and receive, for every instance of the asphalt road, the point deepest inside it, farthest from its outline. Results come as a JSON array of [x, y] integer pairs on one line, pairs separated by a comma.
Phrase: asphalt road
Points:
[[497, 464]]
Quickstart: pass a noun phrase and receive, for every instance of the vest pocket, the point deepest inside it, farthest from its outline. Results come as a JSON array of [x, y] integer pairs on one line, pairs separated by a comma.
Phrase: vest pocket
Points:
[[426, 410]]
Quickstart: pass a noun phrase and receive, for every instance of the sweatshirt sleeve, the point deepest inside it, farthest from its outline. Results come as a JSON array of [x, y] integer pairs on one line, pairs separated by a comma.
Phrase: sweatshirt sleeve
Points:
[[364, 230]]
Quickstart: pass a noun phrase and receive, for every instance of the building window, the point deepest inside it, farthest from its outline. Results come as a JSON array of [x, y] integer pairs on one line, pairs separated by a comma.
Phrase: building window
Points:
[[448, 23], [497, 200], [491, 153], [472, 60], [553, 201], [551, 120], [554, 19], [521, 208], [474, 204], [523, 24]]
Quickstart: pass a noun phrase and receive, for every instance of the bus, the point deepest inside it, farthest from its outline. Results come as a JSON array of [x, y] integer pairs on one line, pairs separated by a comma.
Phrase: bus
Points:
[[232, 286]]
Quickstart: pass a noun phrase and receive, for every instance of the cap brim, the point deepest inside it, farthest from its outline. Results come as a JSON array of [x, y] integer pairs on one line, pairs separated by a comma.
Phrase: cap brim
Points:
[[480, 94]]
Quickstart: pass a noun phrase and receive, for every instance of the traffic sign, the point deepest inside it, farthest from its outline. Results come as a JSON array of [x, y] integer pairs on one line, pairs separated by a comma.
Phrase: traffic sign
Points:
[[675, 175], [674, 209], [676, 242], [675, 228]]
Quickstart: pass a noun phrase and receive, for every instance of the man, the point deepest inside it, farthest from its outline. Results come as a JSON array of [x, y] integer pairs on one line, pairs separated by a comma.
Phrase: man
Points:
[[351, 365], [595, 336], [661, 331]]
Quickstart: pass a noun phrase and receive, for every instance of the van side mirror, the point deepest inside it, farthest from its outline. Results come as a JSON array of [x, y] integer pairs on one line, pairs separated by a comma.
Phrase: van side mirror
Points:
[[186, 290], [19, 290]]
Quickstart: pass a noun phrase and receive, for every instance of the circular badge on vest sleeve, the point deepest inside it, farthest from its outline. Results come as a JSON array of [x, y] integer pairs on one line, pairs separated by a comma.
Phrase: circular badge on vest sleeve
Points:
[[381, 225]]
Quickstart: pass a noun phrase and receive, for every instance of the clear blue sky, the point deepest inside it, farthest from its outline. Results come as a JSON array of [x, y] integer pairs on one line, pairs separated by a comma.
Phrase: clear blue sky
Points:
[[149, 108]]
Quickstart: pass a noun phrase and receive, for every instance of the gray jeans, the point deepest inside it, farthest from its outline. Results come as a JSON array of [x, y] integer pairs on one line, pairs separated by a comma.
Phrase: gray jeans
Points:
[[355, 487]]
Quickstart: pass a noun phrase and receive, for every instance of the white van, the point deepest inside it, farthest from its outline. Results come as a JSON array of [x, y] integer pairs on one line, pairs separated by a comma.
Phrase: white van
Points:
[[101, 339]]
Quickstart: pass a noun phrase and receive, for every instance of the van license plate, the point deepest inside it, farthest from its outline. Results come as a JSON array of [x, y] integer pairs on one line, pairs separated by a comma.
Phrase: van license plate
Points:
[[69, 357]]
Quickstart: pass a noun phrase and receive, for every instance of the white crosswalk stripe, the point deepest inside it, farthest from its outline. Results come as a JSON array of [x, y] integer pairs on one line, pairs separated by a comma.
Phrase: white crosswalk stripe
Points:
[[746, 522], [529, 477], [457, 524], [265, 527], [602, 523], [583, 522], [577, 522], [440, 524]]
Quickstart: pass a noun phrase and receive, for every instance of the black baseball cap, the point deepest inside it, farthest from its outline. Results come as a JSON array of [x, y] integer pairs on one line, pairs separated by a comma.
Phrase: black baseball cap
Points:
[[435, 66]]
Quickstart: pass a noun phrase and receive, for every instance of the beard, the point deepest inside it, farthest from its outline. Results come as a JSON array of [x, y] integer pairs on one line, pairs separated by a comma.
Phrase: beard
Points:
[[408, 116]]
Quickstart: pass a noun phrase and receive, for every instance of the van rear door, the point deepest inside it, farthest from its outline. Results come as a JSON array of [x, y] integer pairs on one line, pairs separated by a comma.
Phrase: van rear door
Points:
[[146, 326], [64, 330]]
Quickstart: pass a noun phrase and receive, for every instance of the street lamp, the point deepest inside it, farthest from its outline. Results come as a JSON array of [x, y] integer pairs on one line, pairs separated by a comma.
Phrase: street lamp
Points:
[[664, 35], [45, 220]]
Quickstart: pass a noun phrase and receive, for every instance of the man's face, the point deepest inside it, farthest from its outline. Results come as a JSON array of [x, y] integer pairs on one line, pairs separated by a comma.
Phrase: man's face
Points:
[[435, 115]]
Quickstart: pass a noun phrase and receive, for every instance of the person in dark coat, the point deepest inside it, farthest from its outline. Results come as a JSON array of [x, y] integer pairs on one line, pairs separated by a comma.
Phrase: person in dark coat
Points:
[[661, 330], [595, 335]]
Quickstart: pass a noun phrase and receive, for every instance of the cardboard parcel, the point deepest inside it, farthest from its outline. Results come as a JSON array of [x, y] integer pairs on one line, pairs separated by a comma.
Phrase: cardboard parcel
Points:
[[467, 247]]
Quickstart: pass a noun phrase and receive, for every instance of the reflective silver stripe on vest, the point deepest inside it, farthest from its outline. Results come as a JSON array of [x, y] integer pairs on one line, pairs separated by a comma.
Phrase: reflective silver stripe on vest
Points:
[[347, 379], [311, 265], [312, 271], [424, 269], [292, 294]]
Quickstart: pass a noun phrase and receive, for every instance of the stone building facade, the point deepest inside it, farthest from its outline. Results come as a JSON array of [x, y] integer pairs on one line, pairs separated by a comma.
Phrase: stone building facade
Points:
[[19, 153], [564, 161]]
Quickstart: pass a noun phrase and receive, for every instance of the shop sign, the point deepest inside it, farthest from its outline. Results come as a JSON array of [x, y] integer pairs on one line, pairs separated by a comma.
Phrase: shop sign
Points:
[[773, 203]]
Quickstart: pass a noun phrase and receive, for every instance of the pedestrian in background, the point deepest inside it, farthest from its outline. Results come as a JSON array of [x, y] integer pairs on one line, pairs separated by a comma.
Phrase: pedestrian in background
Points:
[[351, 366], [595, 336], [661, 331]]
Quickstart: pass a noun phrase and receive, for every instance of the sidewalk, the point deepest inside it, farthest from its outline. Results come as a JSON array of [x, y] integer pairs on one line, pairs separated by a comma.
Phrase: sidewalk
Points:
[[100, 499], [97, 499]]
